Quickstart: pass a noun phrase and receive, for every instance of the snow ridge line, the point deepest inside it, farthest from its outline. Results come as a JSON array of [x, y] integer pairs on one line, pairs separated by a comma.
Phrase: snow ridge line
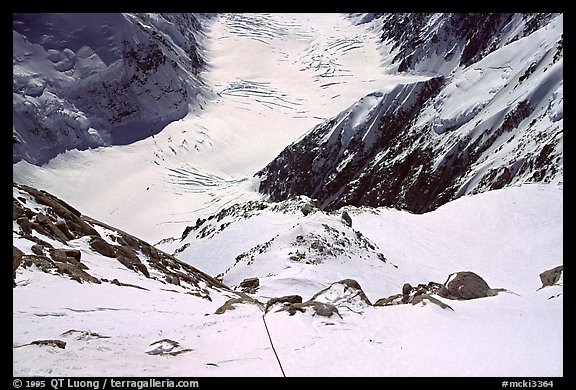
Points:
[[272, 345]]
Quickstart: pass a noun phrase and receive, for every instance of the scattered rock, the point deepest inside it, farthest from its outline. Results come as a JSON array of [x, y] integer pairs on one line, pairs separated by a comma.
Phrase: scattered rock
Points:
[[250, 285], [464, 285], [345, 293], [59, 221], [76, 273], [61, 225], [307, 209], [37, 249], [16, 261], [65, 255], [551, 276], [409, 292], [391, 300], [99, 245], [25, 225], [422, 298], [320, 308], [44, 225], [173, 280], [84, 334], [126, 256], [80, 227], [406, 290], [118, 283], [42, 262], [229, 304], [166, 347], [50, 343], [288, 299], [346, 219]]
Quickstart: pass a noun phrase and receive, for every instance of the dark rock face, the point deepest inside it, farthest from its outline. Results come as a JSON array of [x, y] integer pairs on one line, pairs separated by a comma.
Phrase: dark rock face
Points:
[[408, 153], [551, 276], [475, 35], [313, 168], [465, 285]]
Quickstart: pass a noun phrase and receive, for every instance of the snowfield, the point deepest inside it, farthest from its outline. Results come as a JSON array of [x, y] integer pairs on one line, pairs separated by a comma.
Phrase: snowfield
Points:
[[508, 237]]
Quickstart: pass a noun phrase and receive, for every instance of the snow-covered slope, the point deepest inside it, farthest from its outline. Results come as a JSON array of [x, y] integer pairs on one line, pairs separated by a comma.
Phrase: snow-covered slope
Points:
[[452, 116], [87, 80], [490, 115], [275, 76], [318, 298]]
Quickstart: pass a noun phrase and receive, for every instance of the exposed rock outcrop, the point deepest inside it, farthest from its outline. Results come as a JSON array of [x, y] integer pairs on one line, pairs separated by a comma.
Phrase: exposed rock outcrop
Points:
[[39, 215], [249, 285], [465, 285], [552, 276], [424, 143]]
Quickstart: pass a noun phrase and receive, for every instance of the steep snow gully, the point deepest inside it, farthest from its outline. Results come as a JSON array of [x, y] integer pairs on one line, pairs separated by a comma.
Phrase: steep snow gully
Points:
[[320, 195]]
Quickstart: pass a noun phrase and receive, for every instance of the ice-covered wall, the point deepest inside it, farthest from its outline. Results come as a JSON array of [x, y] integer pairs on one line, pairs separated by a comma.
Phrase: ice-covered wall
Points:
[[87, 80]]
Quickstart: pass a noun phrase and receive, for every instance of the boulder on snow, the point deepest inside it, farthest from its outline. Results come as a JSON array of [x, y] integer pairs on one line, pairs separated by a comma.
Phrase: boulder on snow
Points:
[[16, 261], [319, 308], [307, 209], [351, 291], [25, 225], [99, 245], [166, 347], [551, 276], [44, 225], [65, 255], [37, 249], [406, 289], [126, 256], [249, 285], [409, 292], [346, 219], [389, 301], [286, 300], [465, 285], [243, 298], [51, 343]]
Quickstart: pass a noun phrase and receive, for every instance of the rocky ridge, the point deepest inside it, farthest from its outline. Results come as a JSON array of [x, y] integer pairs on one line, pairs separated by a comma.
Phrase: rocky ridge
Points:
[[489, 116]]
